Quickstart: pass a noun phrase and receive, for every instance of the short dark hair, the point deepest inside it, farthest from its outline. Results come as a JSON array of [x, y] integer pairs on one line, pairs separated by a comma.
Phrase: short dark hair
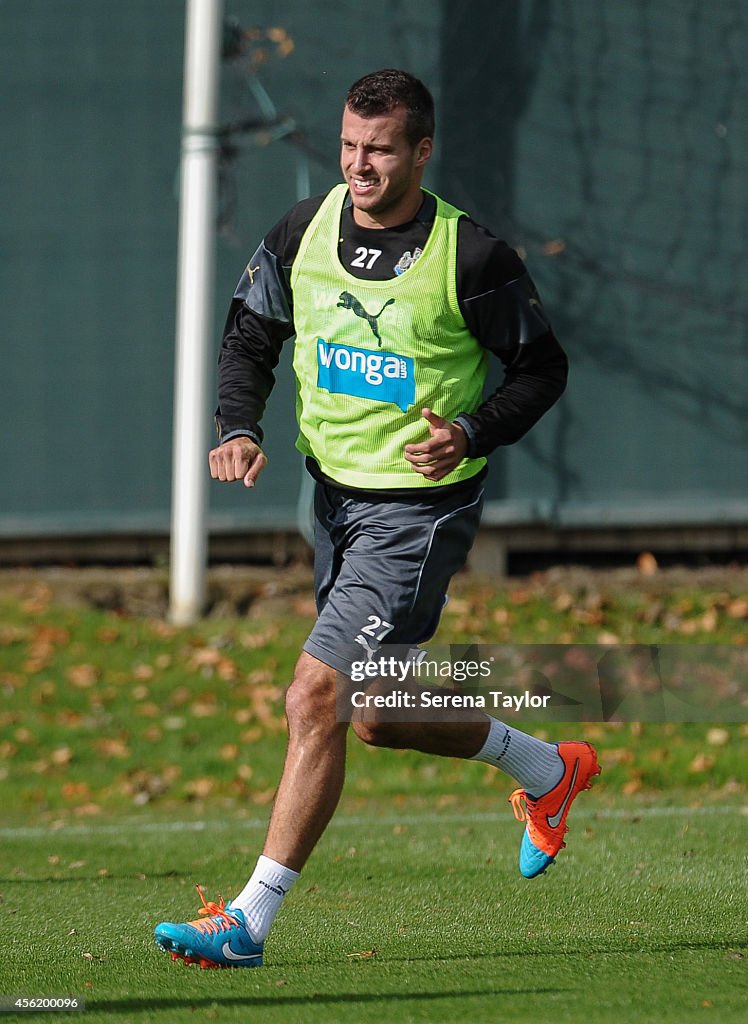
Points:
[[381, 91]]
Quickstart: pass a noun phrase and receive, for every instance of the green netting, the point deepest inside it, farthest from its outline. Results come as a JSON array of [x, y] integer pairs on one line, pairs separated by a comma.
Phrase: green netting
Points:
[[605, 141]]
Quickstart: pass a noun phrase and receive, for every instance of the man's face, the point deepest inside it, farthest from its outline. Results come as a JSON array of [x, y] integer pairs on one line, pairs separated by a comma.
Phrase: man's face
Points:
[[383, 171]]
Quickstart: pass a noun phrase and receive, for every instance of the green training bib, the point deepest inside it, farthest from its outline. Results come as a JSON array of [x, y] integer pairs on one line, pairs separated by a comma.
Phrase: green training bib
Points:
[[369, 355]]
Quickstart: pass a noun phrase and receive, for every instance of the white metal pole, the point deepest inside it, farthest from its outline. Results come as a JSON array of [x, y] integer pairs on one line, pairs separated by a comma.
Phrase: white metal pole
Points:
[[196, 258]]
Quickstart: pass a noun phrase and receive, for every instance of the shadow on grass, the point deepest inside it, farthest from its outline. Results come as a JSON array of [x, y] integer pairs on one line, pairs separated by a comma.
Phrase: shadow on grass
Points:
[[637, 946], [136, 1005], [113, 877]]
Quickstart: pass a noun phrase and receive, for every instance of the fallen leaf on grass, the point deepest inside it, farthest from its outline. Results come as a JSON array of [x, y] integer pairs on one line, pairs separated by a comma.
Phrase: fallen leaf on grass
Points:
[[717, 737], [563, 602], [263, 797], [709, 620], [163, 630], [208, 660], [82, 676], [256, 641], [738, 609], [606, 637], [199, 788], [10, 635], [112, 746], [144, 786], [206, 708], [702, 763], [180, 696], [365, 954], [88, 810], [619, 755]]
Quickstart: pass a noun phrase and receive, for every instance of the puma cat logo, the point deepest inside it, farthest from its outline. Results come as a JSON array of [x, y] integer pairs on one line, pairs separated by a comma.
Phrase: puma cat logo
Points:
[[348, 301]]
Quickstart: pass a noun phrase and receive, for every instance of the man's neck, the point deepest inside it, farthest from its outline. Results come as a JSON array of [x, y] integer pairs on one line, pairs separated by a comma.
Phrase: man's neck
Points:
[[397, 219], [402, 215]]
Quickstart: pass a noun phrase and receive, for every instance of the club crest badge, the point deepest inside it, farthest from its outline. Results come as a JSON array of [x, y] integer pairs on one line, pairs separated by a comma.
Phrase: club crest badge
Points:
[[407, 260]]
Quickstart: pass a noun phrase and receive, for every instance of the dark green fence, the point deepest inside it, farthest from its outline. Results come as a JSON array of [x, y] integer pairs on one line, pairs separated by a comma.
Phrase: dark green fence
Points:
[[605, 141]]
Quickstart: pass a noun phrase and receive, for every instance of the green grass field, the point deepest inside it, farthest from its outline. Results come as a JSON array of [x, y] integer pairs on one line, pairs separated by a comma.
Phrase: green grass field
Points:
[[137, 760], [406, 915]]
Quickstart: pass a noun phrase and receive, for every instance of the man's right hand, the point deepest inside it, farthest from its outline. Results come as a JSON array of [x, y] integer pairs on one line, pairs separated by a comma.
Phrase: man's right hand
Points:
[[237, 459]]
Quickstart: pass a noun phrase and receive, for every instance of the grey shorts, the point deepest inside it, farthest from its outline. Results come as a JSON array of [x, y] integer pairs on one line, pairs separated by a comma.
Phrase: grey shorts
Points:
[[382, 568]]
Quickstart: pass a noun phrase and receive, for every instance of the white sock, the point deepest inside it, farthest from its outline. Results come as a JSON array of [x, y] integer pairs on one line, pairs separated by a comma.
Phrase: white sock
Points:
[[261, 898], [535, 764]]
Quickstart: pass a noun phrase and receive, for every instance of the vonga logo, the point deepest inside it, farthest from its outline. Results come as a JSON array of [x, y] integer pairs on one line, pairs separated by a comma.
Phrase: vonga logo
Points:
[[343, 370]]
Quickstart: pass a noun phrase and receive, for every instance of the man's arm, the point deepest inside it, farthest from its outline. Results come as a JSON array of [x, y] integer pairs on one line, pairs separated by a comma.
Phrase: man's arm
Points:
[[260, 319], [502, 309], [534, 381], [250, 350]]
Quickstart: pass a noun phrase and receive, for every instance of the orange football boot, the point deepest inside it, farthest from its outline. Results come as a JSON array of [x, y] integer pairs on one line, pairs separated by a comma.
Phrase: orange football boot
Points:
[[546, 815]]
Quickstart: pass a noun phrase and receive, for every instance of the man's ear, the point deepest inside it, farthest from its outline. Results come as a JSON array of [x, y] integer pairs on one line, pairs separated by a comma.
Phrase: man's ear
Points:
[[424, 149]]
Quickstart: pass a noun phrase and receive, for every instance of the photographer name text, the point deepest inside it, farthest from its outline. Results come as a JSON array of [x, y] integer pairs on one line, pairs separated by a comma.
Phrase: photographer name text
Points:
[[447, 700]]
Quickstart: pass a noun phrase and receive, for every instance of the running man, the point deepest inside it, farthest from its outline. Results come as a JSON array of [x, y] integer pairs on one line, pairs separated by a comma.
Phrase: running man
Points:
[[396, 301]]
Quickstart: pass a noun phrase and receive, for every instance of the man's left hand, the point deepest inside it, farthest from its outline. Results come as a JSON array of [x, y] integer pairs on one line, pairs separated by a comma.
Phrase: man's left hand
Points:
[[442, 452]]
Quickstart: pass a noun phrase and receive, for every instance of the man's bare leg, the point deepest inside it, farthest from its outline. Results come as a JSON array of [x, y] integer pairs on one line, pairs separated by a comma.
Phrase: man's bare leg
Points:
[[314, 769]]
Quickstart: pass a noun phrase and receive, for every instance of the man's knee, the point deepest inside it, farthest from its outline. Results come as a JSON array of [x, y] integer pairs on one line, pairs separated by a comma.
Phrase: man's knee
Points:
[[310, 699]]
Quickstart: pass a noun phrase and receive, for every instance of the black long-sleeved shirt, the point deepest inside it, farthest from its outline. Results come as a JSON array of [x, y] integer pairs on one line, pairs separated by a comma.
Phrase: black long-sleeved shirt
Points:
[[496, 295]]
